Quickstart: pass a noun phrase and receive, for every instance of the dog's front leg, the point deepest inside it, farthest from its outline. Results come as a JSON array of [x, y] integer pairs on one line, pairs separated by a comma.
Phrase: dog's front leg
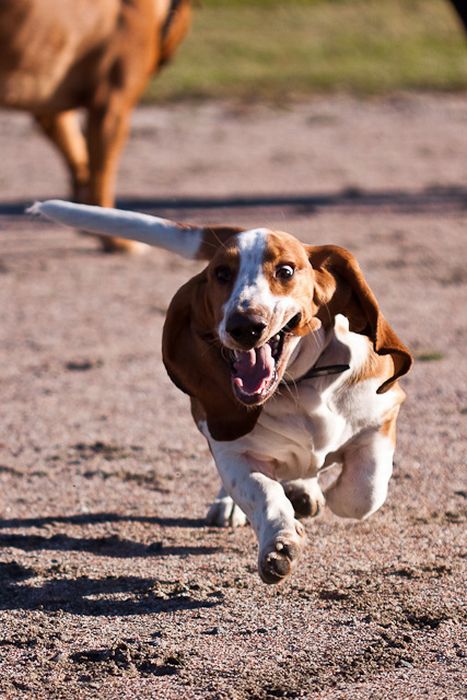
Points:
[[280, 536]]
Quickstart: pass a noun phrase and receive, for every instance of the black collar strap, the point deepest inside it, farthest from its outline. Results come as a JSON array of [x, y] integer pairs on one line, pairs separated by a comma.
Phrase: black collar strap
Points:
[[320, 372]]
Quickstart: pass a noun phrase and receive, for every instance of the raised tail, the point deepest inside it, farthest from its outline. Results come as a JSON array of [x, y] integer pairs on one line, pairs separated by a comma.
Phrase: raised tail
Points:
[[190, 241]]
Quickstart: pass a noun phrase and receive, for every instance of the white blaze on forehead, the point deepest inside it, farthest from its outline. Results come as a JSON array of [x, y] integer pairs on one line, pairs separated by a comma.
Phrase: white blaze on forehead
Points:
[[250, 279], [251, 288]]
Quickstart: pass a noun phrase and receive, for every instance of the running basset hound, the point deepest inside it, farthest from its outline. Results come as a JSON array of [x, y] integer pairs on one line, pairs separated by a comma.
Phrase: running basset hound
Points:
[[290, 365]]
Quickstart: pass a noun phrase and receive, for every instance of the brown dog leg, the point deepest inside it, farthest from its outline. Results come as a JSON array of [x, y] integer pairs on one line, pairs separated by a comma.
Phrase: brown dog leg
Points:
[[106, 135], [63, 130]]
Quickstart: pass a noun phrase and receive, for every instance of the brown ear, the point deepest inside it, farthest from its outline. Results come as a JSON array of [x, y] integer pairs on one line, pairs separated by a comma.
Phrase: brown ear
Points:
[[340, 287], [214, 237], [193, 361]]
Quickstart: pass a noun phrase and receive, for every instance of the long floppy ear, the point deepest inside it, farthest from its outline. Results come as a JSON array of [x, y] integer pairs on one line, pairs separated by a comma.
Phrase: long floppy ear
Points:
[[192, 358], [190, 241], [340, 287]]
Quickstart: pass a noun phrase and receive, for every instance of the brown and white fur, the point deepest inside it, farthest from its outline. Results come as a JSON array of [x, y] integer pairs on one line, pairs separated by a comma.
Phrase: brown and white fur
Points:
[[59, 56], [239, 338]]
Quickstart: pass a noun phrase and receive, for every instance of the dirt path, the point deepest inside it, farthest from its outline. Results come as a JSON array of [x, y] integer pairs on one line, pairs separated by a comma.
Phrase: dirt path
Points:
[[111, 585]]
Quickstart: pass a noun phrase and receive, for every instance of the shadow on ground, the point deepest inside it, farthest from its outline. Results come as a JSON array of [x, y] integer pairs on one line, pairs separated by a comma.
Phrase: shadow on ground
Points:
[[433, 198], [112, 596], [96, 518]]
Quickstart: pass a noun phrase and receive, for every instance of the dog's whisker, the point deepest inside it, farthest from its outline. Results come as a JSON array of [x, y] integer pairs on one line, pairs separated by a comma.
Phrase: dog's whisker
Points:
[[292, 387], [316, 340]]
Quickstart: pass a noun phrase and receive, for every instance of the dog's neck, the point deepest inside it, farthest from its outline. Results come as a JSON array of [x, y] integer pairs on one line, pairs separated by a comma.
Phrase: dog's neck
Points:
[[322, 348], [307, 352]]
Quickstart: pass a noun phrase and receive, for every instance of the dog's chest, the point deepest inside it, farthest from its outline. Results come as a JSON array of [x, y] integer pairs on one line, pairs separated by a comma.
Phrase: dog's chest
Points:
[[308, 421], [297, 430]]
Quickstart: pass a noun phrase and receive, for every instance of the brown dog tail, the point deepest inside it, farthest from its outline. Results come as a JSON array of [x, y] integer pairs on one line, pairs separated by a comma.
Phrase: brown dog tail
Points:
[[190, 241]]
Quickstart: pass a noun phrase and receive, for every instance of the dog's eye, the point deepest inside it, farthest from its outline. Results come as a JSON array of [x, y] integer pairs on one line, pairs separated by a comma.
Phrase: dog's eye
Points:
[[223, 274], [284, 272]]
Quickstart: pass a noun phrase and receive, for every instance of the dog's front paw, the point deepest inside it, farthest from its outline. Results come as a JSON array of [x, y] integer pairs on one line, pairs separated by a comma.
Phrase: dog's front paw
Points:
[[306, 497], [278, 558], [224, 512]]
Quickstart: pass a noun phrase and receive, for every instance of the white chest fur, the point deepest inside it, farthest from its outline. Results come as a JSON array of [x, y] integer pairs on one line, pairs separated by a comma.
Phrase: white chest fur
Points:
[[303, 427]]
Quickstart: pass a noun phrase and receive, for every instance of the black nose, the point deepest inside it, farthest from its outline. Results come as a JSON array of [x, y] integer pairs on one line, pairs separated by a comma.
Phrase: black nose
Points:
[[244, 329]]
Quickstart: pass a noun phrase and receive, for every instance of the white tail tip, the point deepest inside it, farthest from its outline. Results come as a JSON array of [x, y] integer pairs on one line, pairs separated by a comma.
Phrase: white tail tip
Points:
[[152, 230]]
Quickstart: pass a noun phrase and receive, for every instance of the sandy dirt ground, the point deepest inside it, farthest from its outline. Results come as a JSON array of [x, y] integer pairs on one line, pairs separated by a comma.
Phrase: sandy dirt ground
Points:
[[112, 586]]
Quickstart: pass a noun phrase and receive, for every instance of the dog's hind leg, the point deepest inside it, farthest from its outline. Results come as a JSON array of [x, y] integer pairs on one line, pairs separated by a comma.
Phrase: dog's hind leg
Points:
[[362, 486], [63, 130], [305, 495]]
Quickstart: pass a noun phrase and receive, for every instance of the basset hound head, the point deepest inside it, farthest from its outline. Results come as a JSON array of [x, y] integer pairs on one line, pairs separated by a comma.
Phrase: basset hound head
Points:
[[263, 290], [230, 331], [259, 291]]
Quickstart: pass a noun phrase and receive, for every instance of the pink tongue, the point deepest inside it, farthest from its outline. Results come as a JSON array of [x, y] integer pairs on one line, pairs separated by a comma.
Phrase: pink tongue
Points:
[[254, 369]]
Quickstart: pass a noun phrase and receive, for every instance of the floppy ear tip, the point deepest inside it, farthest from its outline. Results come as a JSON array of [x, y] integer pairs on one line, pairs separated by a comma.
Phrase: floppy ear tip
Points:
[[34, 209], [403, 361], [41, 209]]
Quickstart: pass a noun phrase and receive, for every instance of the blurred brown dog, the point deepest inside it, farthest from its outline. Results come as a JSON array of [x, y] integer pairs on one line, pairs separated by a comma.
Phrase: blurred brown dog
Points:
[[57, 57]]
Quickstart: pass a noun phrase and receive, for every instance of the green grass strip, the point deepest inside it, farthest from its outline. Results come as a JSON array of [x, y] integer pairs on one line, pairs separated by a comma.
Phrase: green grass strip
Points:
[[271, 50]]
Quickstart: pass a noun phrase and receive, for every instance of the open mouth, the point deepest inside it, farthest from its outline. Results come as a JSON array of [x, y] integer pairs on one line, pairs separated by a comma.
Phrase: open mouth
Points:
[[256, 372]]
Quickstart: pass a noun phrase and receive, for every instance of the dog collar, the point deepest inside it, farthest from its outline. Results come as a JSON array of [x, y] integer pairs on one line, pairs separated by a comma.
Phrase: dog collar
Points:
[[319, 372]]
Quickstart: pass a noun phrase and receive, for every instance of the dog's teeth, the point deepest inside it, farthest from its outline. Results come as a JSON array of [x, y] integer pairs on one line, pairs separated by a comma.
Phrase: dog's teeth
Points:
[[274, 344]]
